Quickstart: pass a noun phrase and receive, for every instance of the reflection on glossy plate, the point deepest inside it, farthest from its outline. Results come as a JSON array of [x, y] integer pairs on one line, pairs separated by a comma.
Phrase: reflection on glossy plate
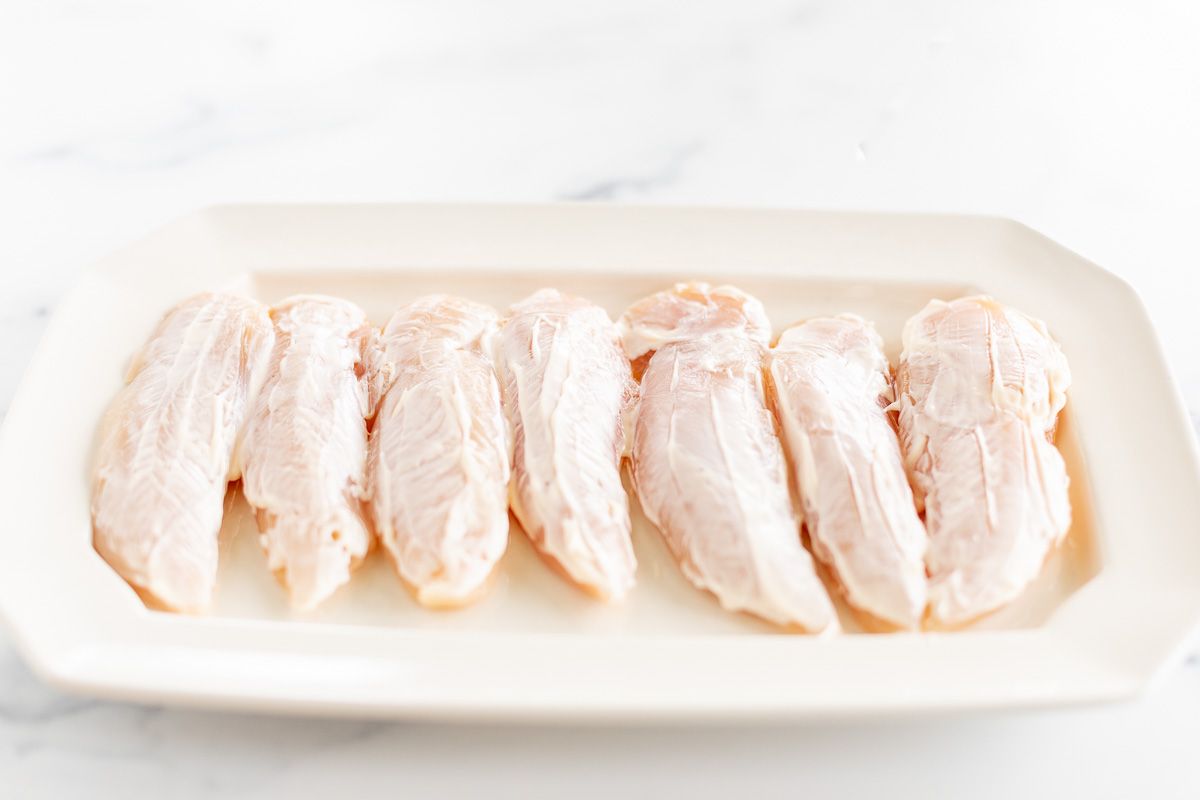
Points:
[[1110, 610]]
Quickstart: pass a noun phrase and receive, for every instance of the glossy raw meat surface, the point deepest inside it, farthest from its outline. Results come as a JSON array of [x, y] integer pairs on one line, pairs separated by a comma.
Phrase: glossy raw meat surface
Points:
[[439, 454], [832, 384], [708, 466], [305, 449], [980, 387], [166, 447], [566, 387]]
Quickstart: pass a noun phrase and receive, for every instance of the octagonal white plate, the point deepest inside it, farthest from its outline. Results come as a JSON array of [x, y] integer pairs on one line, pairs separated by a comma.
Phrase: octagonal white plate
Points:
[[1110, 612]]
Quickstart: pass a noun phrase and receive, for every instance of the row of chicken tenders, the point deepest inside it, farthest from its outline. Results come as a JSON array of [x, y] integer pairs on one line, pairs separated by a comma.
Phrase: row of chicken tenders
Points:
[[930, 495]]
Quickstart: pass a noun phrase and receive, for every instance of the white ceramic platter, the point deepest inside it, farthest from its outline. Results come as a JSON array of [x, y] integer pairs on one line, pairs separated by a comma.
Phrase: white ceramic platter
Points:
[[1112, 609]]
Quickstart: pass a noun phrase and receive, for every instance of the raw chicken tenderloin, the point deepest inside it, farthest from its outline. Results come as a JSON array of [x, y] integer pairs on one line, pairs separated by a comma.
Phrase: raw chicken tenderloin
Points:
[[566, 387], [980, 387], [707, 464], [167, 444], [832, 386], [305, 449], [439, 455]]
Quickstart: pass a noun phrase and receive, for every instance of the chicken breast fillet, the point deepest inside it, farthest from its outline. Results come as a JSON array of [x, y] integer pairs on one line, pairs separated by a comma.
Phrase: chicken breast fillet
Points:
[[439, 453], [566, 387], [707, 464], [832, 386], [980, 387], [167, 444], [305, 450]]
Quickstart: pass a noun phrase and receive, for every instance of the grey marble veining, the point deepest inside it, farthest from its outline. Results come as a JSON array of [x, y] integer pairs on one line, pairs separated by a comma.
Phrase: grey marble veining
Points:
[[52, 746], [120, 116]]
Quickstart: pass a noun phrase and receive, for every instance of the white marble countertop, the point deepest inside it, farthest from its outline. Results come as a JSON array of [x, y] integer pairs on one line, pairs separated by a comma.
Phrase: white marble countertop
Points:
[[1078, 119]]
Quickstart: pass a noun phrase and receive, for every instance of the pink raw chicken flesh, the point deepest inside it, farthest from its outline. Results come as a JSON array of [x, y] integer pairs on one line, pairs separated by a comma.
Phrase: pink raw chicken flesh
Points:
[[439, 460], [167, 443], [305, 449], [980, 389], [832, 385], [566, 388], [707, 464]]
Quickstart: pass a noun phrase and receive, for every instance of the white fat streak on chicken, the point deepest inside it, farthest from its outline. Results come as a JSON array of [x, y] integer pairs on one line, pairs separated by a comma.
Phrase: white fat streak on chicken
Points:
[[167, 443], [832, 384], [708, 466], [981, 387], [439, 453], [566, 388], [304, 453]]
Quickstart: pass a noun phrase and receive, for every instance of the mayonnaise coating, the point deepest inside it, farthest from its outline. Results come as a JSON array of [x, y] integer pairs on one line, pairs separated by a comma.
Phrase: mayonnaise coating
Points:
[[567, 387], [707, 464], [832, 385], [167, 443], [305, 450], [980, 388], [439, 452]]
